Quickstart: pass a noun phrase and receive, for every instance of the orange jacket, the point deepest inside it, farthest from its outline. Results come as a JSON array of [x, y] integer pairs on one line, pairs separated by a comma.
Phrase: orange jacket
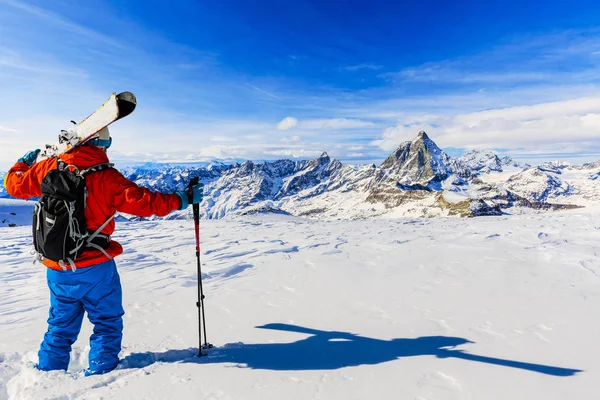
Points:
[[108, 191]]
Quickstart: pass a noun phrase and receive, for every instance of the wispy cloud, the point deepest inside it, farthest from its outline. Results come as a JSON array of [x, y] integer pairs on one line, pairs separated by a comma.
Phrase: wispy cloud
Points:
[[335, 123], [372, 67], [565, 58], [63, 23], [9, 59], [440, 74], [263, 91], [323, 123]]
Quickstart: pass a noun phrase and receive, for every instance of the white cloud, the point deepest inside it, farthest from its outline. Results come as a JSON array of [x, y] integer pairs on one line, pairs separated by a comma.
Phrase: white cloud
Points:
[[291, 139], [579, 106], [287, 123], [557, 127], [323, 123], [456, 75], [294, 153], [222, 138], [356, 148], [335, 123]]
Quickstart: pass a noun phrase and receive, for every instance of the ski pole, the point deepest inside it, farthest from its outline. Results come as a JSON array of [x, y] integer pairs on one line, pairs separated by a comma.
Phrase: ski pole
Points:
[[200, 304]]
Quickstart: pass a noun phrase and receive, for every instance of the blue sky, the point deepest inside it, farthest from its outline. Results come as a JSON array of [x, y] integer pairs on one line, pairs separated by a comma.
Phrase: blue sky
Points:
[[278, 79]]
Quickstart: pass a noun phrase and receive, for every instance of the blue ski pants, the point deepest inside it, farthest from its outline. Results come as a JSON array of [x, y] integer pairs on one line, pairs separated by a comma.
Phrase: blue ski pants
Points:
[[97, 291]]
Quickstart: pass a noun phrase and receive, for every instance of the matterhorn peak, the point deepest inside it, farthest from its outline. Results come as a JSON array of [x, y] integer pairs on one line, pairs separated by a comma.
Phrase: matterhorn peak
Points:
[[422, 136], [324, 155], [420, 161]]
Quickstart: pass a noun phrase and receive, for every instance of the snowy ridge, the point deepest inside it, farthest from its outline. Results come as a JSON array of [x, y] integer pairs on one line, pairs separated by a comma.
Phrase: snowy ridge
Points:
[[539, 184], [483, 161], [417, 180], [3, 193]]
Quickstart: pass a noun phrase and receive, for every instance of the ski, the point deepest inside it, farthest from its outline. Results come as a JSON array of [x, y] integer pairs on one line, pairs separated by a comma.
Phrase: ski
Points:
[[118, 106]]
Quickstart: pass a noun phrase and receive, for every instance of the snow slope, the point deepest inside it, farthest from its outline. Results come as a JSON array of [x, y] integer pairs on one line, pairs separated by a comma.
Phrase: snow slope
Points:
[[488, 308], [15, 212]]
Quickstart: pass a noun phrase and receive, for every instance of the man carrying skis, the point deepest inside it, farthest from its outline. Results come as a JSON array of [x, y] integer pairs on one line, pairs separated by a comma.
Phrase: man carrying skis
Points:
[[91, 282]]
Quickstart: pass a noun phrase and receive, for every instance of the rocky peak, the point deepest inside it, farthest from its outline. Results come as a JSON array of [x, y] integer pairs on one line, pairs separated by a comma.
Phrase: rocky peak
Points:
[[310, 175], [422, 135], [420, 161], [591, 165], [323, 159], [247, 166]]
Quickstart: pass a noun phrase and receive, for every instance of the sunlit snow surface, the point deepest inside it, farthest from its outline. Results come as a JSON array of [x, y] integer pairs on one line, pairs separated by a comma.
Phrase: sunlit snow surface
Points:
[[487, 308]]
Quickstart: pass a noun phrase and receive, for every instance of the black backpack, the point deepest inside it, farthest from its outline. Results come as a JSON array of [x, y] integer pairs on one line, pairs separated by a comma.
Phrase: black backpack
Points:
[[59, 228]]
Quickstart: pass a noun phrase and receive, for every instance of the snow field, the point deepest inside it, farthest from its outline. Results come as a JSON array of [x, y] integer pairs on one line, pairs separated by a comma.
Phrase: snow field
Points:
[[486, 308]]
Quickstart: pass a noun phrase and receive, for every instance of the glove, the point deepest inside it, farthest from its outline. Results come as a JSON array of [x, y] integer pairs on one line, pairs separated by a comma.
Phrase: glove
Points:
[[194, 197], [30, 157]]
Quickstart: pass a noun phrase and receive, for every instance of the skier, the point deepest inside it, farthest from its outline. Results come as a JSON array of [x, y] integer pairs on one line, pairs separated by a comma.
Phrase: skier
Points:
[[92, 283]]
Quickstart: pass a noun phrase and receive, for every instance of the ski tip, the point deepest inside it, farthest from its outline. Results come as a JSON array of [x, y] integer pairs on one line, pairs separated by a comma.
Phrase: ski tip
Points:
[[127, 96], [127, 103]]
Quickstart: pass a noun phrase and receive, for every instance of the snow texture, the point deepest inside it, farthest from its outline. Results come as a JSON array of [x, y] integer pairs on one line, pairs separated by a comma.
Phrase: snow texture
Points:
[[490, 308]]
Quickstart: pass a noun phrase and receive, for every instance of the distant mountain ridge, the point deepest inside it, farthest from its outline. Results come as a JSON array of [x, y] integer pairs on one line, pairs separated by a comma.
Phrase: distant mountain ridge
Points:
[[418, 179]]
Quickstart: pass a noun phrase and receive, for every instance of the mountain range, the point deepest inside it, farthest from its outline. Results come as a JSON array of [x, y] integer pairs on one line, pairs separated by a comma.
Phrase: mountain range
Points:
[[417, 180]]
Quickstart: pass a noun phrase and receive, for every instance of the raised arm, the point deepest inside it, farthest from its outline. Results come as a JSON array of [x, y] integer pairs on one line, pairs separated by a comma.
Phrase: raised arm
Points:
[[24, 178]]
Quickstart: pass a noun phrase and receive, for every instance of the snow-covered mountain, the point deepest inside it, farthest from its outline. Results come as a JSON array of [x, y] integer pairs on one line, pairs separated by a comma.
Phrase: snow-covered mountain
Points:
[[484, 161], [539, 184], [418, 163], [3, 193], [418, 180]]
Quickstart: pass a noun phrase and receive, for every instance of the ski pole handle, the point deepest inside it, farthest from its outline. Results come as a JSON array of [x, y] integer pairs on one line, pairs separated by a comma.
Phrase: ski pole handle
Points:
[[193, 182], [195, 207]]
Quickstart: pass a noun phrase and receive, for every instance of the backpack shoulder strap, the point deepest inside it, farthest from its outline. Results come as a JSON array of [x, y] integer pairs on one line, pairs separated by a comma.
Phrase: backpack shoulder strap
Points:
[[96, 168], [63, 166], [60, 164]]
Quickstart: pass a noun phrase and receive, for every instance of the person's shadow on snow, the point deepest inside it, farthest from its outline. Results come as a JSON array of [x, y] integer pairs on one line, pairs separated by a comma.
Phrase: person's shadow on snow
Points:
[[325, 350]]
